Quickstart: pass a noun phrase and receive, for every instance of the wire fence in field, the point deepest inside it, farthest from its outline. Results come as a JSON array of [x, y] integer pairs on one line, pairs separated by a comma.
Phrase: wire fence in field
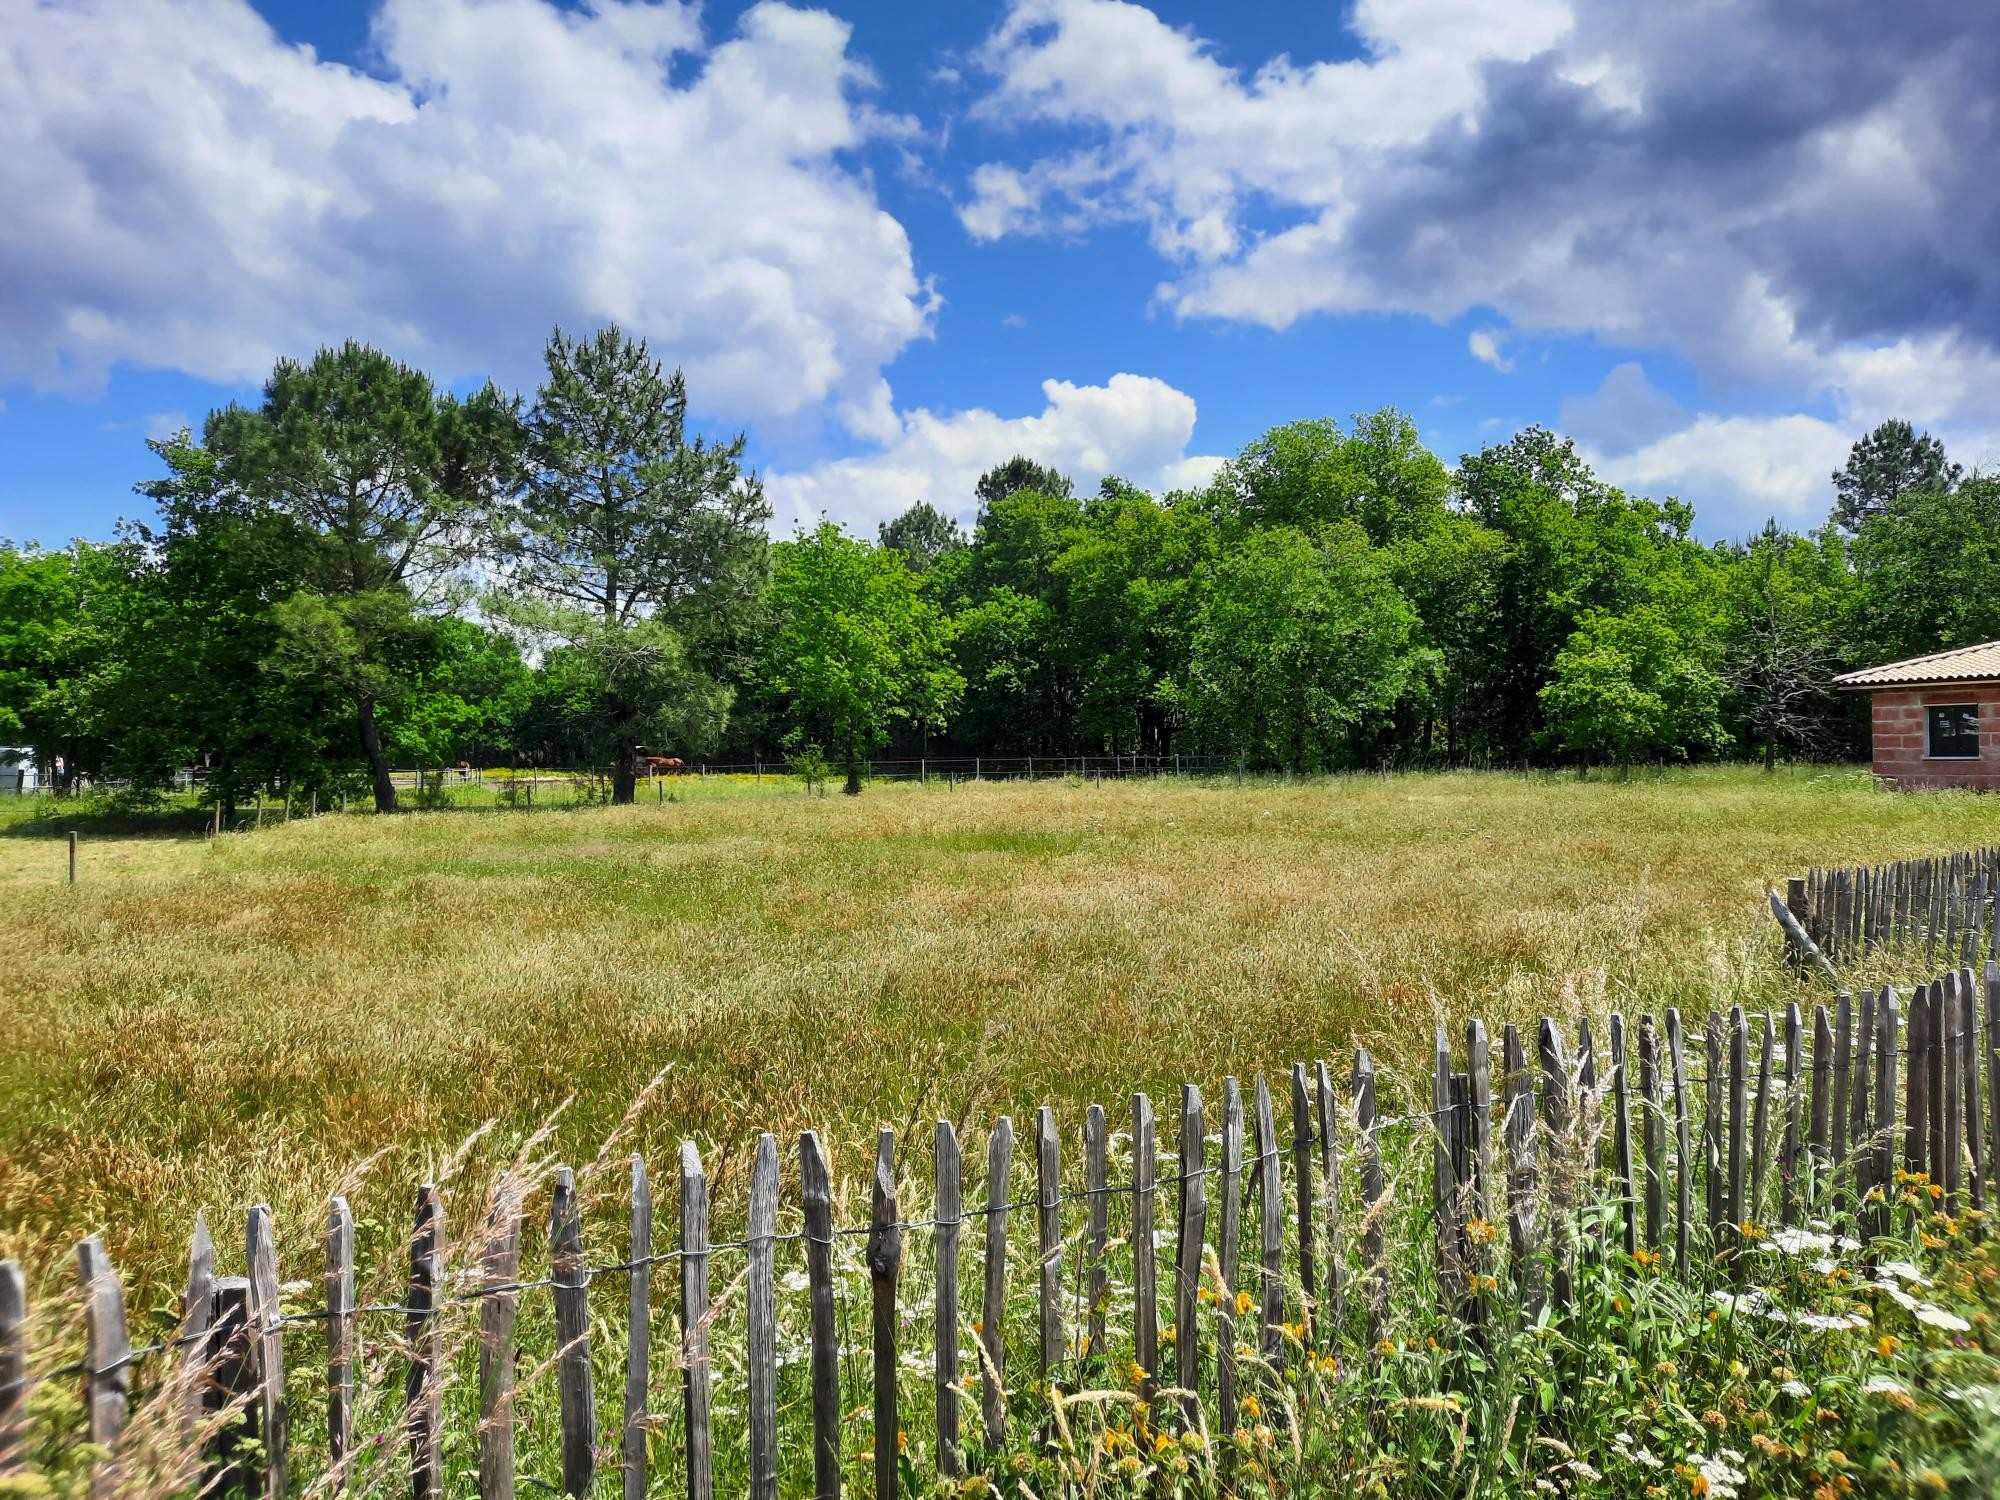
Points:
[[949, 1319]]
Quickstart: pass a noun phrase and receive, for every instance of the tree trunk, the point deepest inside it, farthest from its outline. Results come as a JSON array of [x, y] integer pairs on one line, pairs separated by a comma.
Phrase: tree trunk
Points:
[[378, 762], [853, 787], [625, 774], [1770, 752]]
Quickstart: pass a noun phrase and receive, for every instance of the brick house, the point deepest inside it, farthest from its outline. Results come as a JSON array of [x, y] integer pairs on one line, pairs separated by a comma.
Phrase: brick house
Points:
[[1936, 718]]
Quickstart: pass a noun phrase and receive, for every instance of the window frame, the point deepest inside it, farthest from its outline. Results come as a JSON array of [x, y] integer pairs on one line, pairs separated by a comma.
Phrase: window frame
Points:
[[1931, 751]]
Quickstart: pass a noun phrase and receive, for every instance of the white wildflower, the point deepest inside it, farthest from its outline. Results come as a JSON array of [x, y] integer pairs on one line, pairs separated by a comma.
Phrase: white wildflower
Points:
[[1902, 1270], [1798, 1390], [1937, 1317]]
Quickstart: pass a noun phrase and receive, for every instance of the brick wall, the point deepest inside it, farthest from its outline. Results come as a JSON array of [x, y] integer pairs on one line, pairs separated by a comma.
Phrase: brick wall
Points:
[[1899, 737]]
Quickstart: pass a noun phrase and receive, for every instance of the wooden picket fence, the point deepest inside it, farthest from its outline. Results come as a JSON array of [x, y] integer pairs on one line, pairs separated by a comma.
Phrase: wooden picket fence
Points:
[[1578, 1147], [1942, 905]]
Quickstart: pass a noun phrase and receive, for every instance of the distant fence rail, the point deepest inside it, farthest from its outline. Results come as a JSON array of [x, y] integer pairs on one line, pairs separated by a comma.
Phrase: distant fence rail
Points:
[[1552, 1154]]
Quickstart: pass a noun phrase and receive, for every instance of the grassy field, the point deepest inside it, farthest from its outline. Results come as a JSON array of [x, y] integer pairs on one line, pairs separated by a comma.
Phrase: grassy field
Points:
[[208, 1024]]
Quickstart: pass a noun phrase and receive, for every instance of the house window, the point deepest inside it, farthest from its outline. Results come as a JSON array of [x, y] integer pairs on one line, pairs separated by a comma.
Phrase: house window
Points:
[[1954, 731]]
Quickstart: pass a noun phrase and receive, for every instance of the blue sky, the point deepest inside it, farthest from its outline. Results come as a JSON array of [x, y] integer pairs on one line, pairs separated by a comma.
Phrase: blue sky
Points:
[[896, 242]]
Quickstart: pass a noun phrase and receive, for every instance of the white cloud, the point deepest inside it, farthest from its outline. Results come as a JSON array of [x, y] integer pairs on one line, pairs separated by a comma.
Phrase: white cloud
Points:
[[1739, 471], [186, 191], [1487, 345], [1135, 426], [1778, 195]]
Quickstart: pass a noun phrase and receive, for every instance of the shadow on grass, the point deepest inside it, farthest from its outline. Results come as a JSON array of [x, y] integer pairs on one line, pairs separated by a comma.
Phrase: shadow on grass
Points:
[[102, 817]]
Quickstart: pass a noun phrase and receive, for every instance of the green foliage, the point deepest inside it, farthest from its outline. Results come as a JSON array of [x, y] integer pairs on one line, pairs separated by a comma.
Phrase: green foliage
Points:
[[1631, 687], [1927, 567], [922, 534], [1303, 644], [1892, 461], [854, 646]]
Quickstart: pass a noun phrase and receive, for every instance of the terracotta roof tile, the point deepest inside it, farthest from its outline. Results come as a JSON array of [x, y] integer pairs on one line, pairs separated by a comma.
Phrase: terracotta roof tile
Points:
[[1979, 663]]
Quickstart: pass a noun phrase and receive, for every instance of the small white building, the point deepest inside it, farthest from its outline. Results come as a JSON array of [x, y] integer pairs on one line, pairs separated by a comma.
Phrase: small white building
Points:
[[17, 771]]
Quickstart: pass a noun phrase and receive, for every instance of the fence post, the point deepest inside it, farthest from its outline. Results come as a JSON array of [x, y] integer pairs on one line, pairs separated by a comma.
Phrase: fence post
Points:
[[1517, 1087], [233, 1461], [502, 1268], [1048, 1221], [885, 1262], [816, 1190], [1145, 1270], [1975, 1135], [1329, 1176], [1229, 1250], [1621, 1142], [339, 1336], [993, 1337], [1302, 1182], [1556, 1125], [1882, 1174], [1097, 1233], [1759, 1128], [107, 1355], [1683, 1141], [949, 1211], [1190, 1236], [638, 1330], [423, 1383], [1271, 1225], [14, 1379], [696, 1376], [1445, 1227], [760, 1303]]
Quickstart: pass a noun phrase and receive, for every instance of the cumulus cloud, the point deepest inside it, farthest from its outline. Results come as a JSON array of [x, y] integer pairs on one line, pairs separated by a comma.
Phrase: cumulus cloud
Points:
[[1135, 426], [1789, 196], [1488, 346], [187, 191]]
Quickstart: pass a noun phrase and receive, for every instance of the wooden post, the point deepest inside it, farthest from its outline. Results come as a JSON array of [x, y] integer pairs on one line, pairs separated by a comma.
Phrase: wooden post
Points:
[[1228, 1250], [1969, 1071], [572, 1299], [696, 1375], [1795, 902], [1048, 1222], [107, 1380], [1368, 1149], [1556, 1124], [1788, 1155], [1446, 1230], [950, 1214], [1934, 1070], [1917, 1082], [1329, 1176], [638, 1330], [1860, 1122], [1271, 1222], [760, 1306], [1621, 1128], [1518, 1088], [1822, 1126], [1739, 1069], [816, 1190], [1191, 1229], [1990, 1066], [1760, 1123], [1683, 1144], [1880, 1173], [1715, 1078], [1302, 1184], [72, 856], [1096, 1231], [234, 1461], [339, 1335], [1145, 1271], [1479, 1094], [993, 1313], [197, 1304], [267, 1325], [501, 1267], [423, 1382], [1843, 1063], [14, 1381], [1652, 1133], [1950, 1024], [885, 1265]]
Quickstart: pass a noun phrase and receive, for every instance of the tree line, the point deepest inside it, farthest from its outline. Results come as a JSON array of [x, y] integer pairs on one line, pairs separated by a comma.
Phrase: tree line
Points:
[[366, 570]]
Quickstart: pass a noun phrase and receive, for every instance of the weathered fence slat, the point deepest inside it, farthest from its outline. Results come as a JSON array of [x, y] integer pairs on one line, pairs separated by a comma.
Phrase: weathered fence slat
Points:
[[423, 1380], [1969, 1075], [234, 1459], [638, 1330], [1229, 1250], [1329, 1176], [1652, 1133], [577, 1396], [1145, 1268], [1621, 1144], [1738, 1101], [1683, 1144], [1760, 1137], [267, 1328], [760, 1298], [197, 1299], [1446, 1230], [501, 1266], [1916, 1082], [1556, 1127], [1881, 1173], [1951, 1056], [1934, 1048], [993, 1314], [1271, 1223], [339, 1333], [697, 1379], [1860, 1123], [1048, 1219], [1191, 1230], [1097, 1223], [949, 1210], [1991, 1063], [1829, 1084], [1302, 1183], [1517, 1086], [885, 1264], [816, 1196], [14, 1383]]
